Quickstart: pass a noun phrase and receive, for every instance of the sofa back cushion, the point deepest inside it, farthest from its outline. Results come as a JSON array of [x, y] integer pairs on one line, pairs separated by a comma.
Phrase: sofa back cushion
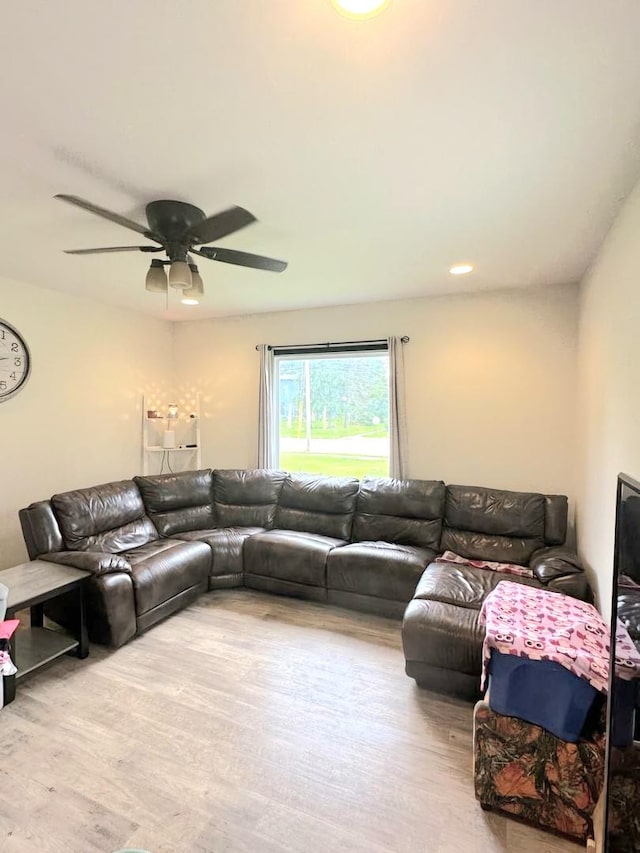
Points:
[[108, 518], [492, 524], [406, 512], [247, 498], [316, 504], [179, 502]]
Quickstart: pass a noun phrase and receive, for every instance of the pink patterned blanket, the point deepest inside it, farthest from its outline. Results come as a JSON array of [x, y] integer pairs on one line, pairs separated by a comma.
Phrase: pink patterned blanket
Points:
[[503, 568], [540, 625]]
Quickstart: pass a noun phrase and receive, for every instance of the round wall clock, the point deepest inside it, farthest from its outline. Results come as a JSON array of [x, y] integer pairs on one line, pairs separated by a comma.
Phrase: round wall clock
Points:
[[15, 361]]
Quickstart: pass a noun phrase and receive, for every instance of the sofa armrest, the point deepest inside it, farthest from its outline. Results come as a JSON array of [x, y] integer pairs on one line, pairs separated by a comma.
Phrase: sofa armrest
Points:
[[96, 562], [560, 569]]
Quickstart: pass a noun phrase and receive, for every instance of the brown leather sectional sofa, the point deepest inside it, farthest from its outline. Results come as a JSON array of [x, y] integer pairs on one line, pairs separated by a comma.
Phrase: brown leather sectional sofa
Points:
[[441, 635], [153, 544]]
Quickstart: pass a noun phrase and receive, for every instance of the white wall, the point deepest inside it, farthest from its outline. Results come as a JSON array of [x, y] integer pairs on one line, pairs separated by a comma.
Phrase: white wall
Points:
[[610, 389], [491, 381], [77, 421]]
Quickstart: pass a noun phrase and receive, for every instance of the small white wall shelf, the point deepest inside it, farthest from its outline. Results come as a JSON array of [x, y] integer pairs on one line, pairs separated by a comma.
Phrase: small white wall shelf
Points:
[[186, 452]]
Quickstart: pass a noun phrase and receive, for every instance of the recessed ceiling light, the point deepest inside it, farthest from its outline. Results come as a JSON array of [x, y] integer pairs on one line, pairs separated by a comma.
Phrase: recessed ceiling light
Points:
[[360, 9], [189, 301], [461, 269]]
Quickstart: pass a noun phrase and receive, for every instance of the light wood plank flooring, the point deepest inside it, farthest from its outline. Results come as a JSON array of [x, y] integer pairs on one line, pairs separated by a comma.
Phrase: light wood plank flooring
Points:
[[246, 723]]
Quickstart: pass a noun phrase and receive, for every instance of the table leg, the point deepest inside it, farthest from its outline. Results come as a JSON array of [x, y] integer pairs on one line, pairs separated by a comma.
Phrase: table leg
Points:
[[37, 616], [83, 635], [9, 688]]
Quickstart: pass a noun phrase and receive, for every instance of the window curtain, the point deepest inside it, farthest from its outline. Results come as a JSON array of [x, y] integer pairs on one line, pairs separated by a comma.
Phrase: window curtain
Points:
[[267, 437], [397, 417]]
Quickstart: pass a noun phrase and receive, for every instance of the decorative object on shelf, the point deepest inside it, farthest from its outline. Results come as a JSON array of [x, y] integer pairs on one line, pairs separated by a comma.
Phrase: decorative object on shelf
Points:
[[15, 361], [169, 439], [180, 229], [170, 434]]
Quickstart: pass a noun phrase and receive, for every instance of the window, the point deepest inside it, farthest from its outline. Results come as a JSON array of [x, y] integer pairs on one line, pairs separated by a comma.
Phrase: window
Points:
[[333, 412]]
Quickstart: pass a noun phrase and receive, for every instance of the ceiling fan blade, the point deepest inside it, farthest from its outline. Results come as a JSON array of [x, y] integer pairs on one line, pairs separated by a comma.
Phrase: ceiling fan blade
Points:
[[107, 214], [220, 225], [242, 259], [113, 249]]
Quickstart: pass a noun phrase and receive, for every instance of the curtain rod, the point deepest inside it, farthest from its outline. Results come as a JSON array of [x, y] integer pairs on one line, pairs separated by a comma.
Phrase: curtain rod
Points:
[[404, 339]]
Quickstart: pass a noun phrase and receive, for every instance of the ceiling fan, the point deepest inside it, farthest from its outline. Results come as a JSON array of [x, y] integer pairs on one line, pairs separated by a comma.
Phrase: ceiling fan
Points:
[[180, 229]]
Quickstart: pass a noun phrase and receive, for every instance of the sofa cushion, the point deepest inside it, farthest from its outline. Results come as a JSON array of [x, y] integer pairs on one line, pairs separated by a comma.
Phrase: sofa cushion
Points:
[[317, 504], [179, 502], [463, 586], [165, 568], [226, 545], [377, 568], [110, 517], [495, 511], [496, 549], [289, 555], [443, 636], [246, 498], [405, 511], [493, 524]]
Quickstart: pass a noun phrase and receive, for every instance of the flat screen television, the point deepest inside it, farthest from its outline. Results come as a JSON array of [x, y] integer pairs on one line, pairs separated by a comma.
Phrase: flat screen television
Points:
[[621, 814]]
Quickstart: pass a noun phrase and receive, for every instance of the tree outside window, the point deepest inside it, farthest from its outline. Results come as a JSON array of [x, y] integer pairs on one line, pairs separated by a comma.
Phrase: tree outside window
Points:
[[334, 414]]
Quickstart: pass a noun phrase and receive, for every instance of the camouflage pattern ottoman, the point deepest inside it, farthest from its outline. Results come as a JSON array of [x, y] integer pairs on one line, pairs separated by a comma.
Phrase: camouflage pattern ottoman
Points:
[[525, 771]]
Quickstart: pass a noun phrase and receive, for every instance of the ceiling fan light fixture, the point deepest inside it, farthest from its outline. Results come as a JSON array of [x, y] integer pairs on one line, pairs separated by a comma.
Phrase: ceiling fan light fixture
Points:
[[360, 9], [180, 275], [156, 280], [197, 285], [461, 269], [191, 296]]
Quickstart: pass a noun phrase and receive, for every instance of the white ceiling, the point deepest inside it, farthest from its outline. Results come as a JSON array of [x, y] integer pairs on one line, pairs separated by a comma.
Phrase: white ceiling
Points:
[[375, 154]]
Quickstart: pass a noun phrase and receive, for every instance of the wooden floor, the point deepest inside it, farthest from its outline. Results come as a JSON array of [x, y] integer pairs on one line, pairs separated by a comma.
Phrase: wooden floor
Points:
[[247, 723]]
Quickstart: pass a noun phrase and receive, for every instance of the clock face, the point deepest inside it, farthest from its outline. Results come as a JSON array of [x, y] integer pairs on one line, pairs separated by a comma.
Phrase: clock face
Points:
[[15, 361]]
